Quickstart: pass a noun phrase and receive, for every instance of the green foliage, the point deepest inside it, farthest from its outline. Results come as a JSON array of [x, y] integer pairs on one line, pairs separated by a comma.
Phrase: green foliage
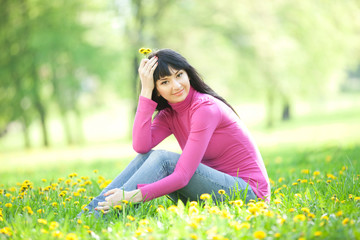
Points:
[[59, 58]]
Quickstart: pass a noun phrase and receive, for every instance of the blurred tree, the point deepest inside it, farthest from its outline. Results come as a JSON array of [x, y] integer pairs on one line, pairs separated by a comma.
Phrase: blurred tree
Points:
[[285, 49], [14, 97], [46, 58]]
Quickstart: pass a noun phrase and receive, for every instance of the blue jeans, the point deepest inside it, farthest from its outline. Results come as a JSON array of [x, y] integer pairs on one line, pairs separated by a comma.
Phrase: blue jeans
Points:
[[157, 164]]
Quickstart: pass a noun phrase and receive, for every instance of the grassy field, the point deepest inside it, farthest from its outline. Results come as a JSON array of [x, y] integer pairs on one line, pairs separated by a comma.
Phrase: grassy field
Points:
[[313, 163], [316, 195]]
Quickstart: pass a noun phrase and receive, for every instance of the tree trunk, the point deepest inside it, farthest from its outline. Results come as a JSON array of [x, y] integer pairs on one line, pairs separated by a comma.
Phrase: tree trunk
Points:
[[67, 128], [25, 131], [270, 109], [285, 116], [79, 122], [39, 104]]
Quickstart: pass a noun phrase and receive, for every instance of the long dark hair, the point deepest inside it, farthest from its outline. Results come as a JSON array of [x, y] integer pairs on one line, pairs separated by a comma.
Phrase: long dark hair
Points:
[[169, 58]]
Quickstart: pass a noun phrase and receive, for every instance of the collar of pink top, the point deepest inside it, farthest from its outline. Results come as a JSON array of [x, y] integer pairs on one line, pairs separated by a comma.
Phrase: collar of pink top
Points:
[[184, 105]]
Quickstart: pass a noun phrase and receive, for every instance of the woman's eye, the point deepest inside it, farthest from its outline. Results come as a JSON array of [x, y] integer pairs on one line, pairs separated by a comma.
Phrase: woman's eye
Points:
[[179, 75], [164, 82]]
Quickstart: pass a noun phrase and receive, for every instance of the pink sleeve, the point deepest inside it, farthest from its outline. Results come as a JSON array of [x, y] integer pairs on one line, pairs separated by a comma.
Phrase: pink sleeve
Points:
[[203, 123], [147, 134]]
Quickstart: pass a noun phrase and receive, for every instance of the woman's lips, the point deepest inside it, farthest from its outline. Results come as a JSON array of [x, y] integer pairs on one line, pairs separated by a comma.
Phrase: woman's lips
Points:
[[179, 92]]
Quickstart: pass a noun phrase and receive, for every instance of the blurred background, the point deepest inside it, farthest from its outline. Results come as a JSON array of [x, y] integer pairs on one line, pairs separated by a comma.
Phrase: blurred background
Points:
[[69, 83]]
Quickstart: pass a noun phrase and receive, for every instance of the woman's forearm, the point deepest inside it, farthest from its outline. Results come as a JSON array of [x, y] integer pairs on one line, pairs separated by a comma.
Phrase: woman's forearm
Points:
[[145, 92]]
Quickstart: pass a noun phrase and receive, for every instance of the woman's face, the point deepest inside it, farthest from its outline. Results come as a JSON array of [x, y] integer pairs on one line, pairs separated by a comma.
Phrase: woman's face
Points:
[[174, 88]]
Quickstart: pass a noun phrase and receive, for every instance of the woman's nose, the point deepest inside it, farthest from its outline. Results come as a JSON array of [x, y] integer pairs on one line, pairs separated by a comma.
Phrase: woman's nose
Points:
[[176, 84]]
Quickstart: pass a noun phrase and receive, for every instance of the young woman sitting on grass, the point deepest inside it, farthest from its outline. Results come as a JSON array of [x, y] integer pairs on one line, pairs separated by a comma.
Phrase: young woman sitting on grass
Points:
[[218, 152]]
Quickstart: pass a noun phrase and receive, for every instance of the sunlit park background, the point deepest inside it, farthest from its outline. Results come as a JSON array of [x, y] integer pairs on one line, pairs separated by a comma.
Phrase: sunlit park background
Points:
[[69, 83]]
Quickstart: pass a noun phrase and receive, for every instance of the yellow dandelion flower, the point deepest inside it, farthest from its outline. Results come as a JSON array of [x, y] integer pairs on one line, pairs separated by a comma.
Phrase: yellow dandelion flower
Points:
[[86, 227], [329, 175], [215, 210], [254, 210], [299, 217], [205, 196], [160, 209], [53, 225], [305, 171], [339, 213], [145, 51], [271, 181], [281, 179], [193, 236], [131, 218], [193, 203], [239, 203], [281, 221], [125, 201], [7, 231], [345, 221], [277, 235], [221, 192], [57, 234], [144, 222], [311, 215], [72, 175], [306, 210], [357, 198], [297, 195], [193, 210], [44, 231], [174, 209], [277, 190], [261, 204], [277, 201], [317, 233], [244, 225], [294, 183], [117, 207], [198, 218], [42, 221], [291, 210], [71, 236], [259, 235], [324, 217], [193, 224], [8, 205], [127, 224]]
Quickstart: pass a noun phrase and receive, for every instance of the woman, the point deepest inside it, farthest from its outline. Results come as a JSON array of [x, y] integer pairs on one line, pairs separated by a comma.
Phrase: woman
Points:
[[217, 150]]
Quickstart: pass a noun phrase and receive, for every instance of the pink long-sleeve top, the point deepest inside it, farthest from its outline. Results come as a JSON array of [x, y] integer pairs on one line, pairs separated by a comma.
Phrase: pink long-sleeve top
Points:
[[208, 132]]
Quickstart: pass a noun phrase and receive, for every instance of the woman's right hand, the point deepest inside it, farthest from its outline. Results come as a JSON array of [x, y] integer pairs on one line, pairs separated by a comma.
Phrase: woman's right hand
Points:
[[146, 71]]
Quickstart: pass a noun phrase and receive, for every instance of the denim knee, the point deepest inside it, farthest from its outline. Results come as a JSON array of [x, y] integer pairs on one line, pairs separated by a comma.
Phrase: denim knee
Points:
[[165, 159]]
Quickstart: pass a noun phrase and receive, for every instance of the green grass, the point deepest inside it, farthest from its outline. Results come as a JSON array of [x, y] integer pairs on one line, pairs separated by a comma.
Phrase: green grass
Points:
[[306, 205]]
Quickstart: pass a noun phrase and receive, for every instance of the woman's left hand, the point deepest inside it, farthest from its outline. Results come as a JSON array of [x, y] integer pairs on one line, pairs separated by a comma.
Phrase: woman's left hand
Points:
[[116, 196]]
